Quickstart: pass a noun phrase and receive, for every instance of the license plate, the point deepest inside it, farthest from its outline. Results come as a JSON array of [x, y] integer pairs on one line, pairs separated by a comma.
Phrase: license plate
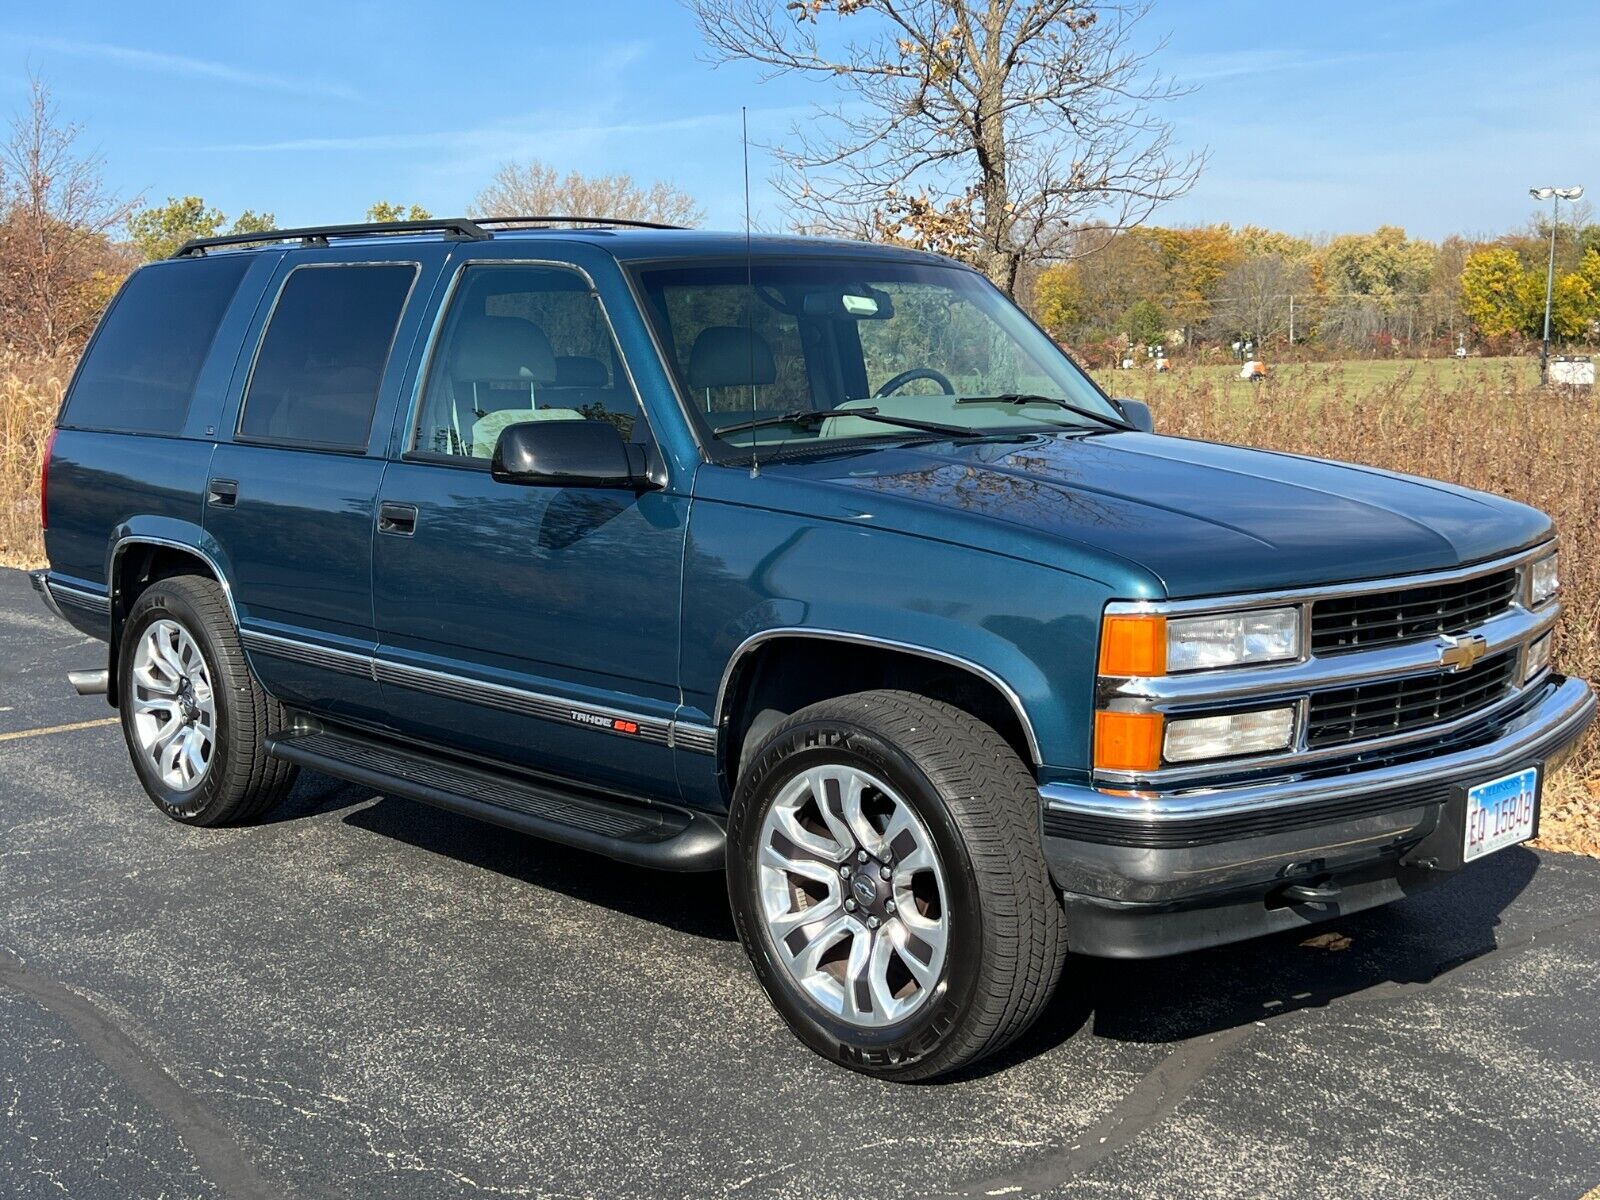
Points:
[[1501, 813]]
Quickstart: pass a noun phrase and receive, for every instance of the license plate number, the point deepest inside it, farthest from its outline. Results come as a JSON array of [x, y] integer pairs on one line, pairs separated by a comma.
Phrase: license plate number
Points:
[[1501, 813]]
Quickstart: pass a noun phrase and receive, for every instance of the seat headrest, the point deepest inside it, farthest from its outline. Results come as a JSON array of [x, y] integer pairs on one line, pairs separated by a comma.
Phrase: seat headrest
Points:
[[730, 356], [502, 348], [573, 370]]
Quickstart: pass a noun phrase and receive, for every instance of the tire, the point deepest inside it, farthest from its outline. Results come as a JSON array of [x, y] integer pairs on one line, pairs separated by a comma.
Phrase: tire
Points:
[[180, 659], [977, 807]]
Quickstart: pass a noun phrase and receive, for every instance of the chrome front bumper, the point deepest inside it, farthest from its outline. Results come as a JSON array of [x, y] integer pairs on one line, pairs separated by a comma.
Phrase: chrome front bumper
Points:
[[1151, 851]]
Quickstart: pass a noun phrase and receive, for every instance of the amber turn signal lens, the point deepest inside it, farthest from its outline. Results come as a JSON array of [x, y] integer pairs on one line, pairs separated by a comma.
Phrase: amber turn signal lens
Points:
[[1127, 741], [1133, 645]]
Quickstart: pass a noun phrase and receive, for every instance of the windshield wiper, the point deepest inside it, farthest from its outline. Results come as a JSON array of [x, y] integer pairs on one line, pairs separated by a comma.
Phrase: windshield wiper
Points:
[[815, 416], [1055, 401]]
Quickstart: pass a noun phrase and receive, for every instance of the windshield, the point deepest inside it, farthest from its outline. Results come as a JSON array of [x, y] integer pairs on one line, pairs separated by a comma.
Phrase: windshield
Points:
[[900, 340]]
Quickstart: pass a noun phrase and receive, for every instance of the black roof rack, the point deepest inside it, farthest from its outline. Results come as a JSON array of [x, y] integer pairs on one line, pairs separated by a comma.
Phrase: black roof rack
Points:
[[627, 222], [457, 228]]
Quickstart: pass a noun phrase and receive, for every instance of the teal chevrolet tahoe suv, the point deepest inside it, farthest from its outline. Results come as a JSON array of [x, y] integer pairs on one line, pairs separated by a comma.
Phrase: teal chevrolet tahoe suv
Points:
[[809, 560]]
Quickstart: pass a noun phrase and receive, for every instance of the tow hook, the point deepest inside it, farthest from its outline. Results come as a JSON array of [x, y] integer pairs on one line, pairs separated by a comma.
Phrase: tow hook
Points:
[[90, 683], [1319, 895]]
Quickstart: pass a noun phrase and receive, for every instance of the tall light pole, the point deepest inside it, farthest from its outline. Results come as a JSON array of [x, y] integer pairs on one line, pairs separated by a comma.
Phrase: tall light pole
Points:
[[1555, 195]]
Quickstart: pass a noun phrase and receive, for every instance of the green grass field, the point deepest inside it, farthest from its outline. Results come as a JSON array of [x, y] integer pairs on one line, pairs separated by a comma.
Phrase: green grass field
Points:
[[1399, 378]]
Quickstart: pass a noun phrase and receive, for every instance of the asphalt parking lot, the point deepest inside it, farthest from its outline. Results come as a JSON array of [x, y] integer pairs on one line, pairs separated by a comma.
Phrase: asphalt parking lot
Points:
[[368, 998]]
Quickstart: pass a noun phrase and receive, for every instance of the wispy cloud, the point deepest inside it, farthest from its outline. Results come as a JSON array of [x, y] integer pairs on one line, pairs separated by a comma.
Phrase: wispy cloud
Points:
[[620, 56], [530, 134], [1202, 68], [196, 68]]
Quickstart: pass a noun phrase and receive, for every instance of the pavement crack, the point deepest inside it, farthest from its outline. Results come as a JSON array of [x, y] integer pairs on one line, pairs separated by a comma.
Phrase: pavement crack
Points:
[[216, 1152]]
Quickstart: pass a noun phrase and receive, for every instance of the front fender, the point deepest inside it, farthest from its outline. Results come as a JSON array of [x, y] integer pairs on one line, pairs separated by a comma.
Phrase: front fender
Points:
[[751, 574]]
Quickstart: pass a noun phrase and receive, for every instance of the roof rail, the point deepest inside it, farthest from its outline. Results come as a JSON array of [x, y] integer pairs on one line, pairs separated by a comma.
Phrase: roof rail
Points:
[[456, 228], [628, 222]]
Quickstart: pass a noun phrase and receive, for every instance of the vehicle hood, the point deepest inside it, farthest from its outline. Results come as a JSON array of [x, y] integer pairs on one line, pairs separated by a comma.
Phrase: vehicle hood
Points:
[[1202, 518]]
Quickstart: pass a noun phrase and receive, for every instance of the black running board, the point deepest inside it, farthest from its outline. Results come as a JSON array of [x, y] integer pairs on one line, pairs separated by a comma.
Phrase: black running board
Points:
[[670, 839]]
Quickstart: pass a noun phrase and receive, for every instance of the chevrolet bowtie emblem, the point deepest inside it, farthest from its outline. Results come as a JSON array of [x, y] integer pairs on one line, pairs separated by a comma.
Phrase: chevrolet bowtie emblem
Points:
[[1459, 653]]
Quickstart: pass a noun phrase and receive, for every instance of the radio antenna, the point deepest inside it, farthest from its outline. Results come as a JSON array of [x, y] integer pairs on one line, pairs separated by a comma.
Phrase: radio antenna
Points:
[[750, 293]]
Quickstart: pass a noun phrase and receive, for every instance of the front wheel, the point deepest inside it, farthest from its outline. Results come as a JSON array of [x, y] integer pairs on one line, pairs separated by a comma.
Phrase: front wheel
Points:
[[889, 884]]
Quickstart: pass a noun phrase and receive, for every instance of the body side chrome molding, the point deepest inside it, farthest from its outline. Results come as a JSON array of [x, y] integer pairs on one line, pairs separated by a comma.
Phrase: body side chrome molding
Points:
[[857, 639], [345, 662], [543, 706], [56, 592]]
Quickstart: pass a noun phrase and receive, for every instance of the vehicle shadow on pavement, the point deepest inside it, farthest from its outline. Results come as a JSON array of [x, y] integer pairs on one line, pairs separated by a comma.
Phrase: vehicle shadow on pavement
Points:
[[693, 904], [1367, 955], [315, 795], [1155, 1001]]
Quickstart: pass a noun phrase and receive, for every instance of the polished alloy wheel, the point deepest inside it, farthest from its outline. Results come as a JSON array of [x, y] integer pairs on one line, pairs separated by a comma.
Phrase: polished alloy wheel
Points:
[[174, 708], [853, 895]]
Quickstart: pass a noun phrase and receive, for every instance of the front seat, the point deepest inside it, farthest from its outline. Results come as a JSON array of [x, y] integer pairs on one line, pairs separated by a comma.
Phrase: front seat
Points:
[[726, 356], [497, 366]]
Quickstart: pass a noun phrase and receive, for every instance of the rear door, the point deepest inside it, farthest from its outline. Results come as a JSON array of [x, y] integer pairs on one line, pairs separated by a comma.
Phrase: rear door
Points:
[[293, 490], [536, 625]]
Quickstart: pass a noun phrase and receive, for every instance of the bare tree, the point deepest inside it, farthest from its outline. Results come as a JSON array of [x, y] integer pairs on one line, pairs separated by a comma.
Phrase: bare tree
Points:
[[57, 265], [986, 128], [1254, 298], [537, 189]]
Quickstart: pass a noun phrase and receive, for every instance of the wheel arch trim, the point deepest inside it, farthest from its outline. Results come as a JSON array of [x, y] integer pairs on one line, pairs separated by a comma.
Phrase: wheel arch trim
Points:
[[744, 649], [123, 543]]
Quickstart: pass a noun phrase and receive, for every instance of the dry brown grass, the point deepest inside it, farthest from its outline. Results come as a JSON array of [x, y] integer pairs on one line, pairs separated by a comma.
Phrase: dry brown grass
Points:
[[30, 391], [1485, 428]]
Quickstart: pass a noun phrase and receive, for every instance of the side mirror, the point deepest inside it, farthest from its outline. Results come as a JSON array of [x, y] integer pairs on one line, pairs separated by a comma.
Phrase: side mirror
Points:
[[1138, 413], [569, 454]]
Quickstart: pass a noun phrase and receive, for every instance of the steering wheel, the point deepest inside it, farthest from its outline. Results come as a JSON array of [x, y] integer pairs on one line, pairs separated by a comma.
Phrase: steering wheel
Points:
[[911, 376]]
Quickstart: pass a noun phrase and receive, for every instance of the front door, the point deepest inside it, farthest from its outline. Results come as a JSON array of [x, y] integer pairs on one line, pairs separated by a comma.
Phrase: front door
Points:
[[533, 625]]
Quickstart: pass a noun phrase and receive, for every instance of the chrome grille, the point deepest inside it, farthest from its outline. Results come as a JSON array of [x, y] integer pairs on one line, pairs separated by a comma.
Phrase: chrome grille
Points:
[[1392, 706], [1371, 619]]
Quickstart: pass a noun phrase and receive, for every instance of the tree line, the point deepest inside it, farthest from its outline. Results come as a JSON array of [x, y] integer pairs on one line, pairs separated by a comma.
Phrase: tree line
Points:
[[1215, 287]]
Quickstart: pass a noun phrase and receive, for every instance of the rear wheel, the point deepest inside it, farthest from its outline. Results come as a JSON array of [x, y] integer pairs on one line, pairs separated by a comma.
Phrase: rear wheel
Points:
[[889, 885], [194, 717]]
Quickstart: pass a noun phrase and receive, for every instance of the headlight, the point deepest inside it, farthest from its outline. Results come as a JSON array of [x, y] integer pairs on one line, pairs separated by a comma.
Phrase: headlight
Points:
[[1232, 639], [1231, 735], [1145, 644], [1538, 658], [1544, 579]]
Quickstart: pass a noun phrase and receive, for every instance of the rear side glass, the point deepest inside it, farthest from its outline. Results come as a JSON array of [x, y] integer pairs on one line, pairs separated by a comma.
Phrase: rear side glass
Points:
[[139, 373], [317, 374]]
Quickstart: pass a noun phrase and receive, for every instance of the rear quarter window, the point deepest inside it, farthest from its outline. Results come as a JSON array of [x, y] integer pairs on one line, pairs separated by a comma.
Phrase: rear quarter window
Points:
[[139, 373]]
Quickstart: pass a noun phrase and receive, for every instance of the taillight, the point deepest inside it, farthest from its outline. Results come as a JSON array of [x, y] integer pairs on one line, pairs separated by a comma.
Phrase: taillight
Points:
[[44, 481]]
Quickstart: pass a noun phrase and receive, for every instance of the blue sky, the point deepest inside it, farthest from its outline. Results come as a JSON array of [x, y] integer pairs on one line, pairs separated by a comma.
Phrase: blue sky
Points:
[[1319, 118]]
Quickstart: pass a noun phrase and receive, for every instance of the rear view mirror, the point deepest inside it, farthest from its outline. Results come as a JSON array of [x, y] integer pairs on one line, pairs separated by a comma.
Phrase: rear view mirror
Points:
[[569, 454], [853, 303]]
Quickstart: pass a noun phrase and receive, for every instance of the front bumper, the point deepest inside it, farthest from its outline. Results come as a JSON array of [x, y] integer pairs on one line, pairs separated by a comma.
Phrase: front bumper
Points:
[[1147, 874]]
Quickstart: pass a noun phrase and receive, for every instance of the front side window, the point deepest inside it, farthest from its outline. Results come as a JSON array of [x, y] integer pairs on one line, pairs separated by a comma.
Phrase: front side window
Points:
[[750, 343], [520, 343], [322, 358], [140, 372]]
